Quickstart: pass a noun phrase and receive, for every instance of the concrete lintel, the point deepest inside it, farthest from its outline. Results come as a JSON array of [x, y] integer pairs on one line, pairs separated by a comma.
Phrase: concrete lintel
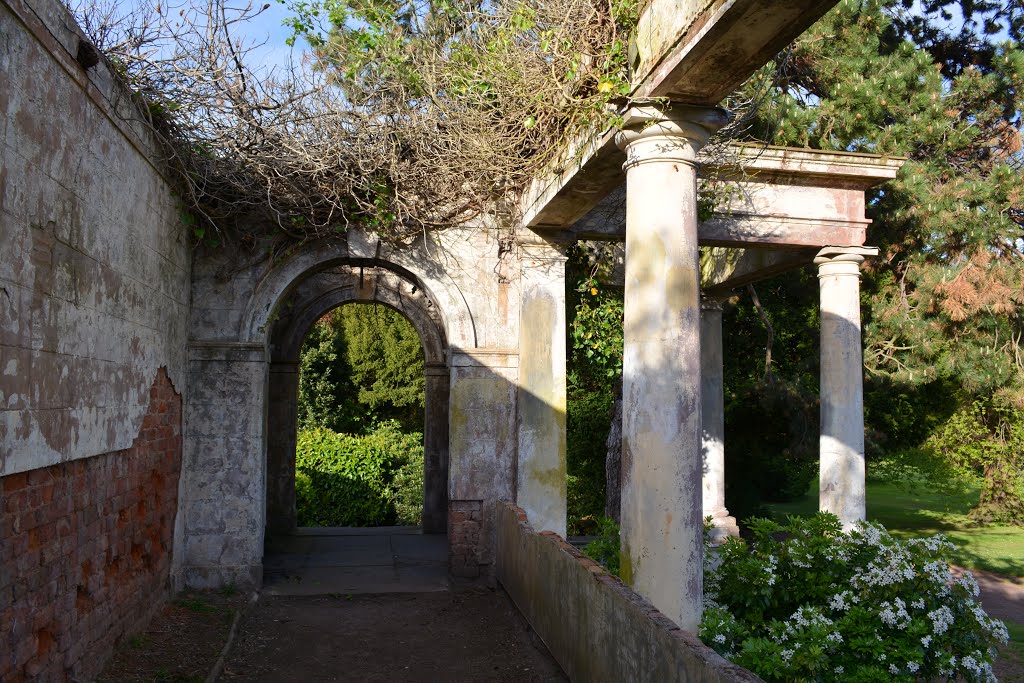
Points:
[[586, 173], [794, 166], [725, 230], [485, 358], [591, 196], [723, 269], [246, 352]]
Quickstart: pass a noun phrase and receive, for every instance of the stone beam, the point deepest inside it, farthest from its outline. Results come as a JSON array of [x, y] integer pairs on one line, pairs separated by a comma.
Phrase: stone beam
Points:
[[698, 51], [586, 173], [771, 196], [693, 51], [723, 269]]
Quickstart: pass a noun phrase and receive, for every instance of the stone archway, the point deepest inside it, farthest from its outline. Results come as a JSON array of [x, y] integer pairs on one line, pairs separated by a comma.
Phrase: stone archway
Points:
[[353, 281]]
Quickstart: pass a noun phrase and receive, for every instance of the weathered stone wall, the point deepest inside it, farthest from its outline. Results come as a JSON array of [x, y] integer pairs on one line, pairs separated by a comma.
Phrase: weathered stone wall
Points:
[[85, 549], [94, 264], [94, 298], [596, 627]]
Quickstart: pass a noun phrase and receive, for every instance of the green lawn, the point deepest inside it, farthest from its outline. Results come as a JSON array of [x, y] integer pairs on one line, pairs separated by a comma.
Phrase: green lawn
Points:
[[995, 548]]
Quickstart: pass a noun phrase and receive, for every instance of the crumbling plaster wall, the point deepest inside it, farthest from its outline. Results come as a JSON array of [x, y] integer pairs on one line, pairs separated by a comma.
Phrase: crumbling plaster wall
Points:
[[94, 263], [95, 271]]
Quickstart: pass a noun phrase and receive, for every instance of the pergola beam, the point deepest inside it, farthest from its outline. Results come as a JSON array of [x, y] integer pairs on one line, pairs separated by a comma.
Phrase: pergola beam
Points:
[[723, 270]]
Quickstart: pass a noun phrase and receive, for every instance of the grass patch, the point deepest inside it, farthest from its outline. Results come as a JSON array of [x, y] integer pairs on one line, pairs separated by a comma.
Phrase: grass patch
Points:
[[994, 548], [1016, 645], [196, 604]]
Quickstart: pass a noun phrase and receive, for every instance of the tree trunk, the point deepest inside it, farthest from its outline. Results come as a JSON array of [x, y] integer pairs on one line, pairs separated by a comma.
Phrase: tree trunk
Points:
[[613, 460]]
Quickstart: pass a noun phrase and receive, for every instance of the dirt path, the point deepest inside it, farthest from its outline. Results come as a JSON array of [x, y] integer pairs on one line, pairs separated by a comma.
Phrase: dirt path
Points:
[[1003, 598], [469, 635]]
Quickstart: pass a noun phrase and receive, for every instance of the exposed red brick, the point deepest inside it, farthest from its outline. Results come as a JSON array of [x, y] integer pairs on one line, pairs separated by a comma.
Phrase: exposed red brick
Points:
[[14, 482], [86, 549]]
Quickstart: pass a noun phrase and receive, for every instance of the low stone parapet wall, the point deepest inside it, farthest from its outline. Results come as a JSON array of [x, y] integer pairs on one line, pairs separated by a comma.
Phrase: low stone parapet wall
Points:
[[594, 625]]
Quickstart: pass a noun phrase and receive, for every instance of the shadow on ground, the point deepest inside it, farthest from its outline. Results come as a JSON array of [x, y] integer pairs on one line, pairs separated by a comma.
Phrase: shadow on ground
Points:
[[474, 634], [343, 561]]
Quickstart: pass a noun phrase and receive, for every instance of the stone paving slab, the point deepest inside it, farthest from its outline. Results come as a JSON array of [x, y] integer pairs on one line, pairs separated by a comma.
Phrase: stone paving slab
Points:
[[327, 561]]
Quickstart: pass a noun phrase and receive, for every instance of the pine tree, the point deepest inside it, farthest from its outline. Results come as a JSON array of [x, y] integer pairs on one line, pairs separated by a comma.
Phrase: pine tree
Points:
[[942, 86], [360, 365]]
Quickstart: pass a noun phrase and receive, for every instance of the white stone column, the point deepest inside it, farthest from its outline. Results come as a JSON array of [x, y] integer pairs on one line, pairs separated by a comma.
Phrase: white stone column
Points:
[[219, 530], [841, 445], [713, 420], [662, 549], [540, 476]]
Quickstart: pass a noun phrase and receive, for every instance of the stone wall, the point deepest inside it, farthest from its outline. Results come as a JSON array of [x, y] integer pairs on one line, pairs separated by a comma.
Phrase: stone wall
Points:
[[94, 264], [85, 549], [94, 297], [595, 626], [464, 282]]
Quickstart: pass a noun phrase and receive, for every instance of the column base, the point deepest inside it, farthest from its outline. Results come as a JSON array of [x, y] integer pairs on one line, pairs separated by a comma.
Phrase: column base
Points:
[[722, 527]]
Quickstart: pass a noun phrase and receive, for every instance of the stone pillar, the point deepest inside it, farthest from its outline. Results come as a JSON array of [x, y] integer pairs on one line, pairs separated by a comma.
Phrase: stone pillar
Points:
[[540, 476], [222, 506], [435, 449], [282, 408], [841, 445], [712, 408], [662, 545], [482, 453]]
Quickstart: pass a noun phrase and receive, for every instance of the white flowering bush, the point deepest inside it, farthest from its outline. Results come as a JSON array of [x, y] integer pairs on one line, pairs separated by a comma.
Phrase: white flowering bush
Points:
[[807, 602]]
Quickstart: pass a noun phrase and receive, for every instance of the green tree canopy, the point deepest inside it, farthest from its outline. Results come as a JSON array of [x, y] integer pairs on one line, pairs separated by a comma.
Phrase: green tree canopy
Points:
[[942, 86], [361, 364]]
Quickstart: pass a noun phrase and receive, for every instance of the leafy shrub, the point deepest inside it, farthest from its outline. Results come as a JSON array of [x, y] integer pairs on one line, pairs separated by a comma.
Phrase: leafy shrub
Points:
[[408, 485], [805, 601], [587, 426], [606, 548], [350, 480]]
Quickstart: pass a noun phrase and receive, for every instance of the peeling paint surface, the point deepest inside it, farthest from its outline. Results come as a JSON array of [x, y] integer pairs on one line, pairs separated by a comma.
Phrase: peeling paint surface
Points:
[[95, 266]]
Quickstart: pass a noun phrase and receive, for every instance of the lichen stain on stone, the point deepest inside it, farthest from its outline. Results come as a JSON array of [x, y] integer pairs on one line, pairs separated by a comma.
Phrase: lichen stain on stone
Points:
[[625, 564], [681, 287]]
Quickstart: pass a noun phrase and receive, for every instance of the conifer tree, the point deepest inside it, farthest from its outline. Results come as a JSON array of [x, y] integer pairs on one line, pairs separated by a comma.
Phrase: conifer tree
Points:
[[941, 83], [361, 364]]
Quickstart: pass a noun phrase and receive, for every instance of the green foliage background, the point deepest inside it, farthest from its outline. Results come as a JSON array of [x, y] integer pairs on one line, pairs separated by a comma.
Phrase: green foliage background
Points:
[[359, 456], [361, 364], [940, 84], [373, 479]]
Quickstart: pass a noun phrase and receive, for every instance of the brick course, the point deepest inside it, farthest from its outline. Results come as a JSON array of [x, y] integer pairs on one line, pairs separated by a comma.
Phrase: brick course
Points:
[[85, 549], [465, 527]]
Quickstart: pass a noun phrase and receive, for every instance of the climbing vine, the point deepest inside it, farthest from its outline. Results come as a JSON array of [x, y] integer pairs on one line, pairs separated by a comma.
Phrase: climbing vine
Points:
[[403, 116]]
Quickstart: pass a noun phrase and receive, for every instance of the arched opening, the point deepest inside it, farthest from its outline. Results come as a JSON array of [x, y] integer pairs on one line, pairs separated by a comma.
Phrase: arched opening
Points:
[[359, 456], [308, 302]]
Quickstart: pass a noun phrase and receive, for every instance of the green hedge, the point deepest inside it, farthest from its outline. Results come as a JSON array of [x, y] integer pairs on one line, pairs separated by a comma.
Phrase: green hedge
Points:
[[359, 480]]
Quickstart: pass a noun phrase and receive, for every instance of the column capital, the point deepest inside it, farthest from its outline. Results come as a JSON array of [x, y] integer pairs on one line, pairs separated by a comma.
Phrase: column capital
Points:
[[710, 303], [836, 261], [673, 134], [853, 254]]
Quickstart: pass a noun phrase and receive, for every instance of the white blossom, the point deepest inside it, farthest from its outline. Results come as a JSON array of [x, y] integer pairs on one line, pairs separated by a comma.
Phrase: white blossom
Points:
[[942, 619]]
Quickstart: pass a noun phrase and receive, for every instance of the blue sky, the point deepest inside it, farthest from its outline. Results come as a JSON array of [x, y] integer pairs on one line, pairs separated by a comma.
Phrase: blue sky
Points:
[[266, 30]]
